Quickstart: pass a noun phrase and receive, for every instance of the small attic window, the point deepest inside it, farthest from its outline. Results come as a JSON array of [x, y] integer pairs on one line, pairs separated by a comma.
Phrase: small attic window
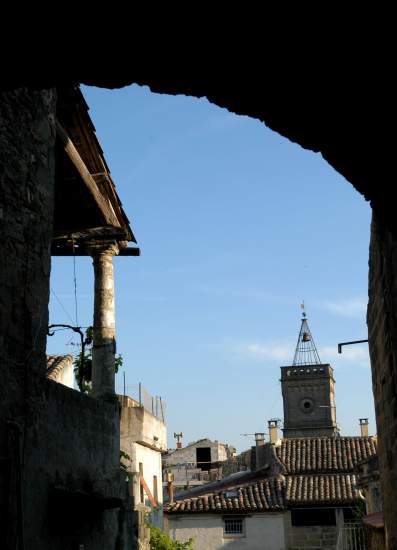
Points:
[[233, 527]]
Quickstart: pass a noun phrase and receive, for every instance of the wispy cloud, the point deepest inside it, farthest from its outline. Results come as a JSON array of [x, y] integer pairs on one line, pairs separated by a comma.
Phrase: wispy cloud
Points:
[[281, 353], [265, 351], [357, 354], [349, 307]]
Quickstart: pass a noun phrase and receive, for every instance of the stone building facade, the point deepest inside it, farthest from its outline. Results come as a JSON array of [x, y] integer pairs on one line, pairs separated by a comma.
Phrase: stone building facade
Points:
[[197, 463], [143, 437], [308, 389]]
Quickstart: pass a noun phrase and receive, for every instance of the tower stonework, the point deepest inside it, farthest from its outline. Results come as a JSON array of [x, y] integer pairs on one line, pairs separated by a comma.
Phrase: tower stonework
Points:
[[309, 402], [308, 389]]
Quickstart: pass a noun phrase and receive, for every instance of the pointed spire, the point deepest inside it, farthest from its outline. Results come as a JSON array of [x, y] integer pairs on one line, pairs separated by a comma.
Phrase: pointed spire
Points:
[[306, 351]]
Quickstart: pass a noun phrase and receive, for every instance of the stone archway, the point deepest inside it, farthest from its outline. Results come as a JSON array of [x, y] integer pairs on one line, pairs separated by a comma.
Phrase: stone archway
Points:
[[331, 110]]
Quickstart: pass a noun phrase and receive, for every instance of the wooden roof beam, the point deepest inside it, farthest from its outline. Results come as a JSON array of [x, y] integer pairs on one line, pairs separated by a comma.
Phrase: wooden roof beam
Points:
[[103, 205], [65, 250]]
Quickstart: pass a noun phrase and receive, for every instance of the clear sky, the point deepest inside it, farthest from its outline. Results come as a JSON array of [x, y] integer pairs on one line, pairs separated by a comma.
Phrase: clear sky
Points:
[[236, 225]]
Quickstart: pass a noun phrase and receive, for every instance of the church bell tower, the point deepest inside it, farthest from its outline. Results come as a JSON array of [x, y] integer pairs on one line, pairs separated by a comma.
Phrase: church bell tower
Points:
[[308, 389]]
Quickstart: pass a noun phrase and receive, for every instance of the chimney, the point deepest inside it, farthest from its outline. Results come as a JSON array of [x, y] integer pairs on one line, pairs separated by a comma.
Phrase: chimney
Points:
[[273, 431], [364, 427], [259, 449], [170, 487], [178, 438]]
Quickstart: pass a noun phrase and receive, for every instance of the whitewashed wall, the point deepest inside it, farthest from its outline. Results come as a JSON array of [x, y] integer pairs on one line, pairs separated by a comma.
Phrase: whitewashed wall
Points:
[[262, 531]]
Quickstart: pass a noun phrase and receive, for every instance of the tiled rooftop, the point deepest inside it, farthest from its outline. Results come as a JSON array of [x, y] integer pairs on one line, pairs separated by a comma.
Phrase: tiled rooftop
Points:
[[267, 494], [325, 454], [324, 489], [318, 471], [55, 365]]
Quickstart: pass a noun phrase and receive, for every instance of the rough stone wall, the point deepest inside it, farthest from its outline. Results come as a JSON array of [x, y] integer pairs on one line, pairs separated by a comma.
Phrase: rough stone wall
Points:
[[382, 334], [74, 446], [319, 537], [50, 435], [27, 139]]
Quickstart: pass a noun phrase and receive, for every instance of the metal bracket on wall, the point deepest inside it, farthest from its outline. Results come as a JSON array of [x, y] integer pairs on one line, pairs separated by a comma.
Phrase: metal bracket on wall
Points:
[[348, 344]]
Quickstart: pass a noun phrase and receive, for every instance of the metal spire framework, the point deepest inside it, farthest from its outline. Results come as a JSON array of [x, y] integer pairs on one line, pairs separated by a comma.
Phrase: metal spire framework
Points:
[[306, 351]]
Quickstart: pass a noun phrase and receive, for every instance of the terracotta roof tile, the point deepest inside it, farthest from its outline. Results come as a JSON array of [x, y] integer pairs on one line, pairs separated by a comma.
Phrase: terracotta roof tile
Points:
[[325, 454], [55, 365], [318, 471], [266, 494], [320, 489]]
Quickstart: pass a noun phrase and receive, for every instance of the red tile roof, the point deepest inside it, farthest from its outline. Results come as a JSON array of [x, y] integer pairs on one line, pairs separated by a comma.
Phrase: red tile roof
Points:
[[318, 471], [325, 454], [264, 495], [55, 365], [324, 489]]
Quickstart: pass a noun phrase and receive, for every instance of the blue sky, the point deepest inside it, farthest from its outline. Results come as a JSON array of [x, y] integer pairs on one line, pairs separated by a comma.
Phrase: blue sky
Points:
[[237, 225]]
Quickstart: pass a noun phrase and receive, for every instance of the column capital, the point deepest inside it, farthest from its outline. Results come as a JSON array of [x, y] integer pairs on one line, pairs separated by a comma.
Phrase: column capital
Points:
[[103, 248]]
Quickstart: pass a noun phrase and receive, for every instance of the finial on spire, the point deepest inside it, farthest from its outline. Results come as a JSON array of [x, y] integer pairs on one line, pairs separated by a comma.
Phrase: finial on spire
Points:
[[303, 309]]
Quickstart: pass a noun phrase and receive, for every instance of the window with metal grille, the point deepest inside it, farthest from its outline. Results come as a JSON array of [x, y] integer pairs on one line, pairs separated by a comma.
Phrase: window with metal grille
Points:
[[233, 526]]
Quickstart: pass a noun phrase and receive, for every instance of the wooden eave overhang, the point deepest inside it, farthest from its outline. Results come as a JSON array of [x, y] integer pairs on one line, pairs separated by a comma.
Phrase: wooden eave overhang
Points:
[[87, 206]]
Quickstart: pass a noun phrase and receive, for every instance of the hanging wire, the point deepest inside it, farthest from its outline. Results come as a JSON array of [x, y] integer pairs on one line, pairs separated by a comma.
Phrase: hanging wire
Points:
[[61, 304], [75, 282]]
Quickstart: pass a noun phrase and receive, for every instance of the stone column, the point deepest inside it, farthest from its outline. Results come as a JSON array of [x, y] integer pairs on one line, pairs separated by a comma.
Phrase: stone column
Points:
[[104, 343]]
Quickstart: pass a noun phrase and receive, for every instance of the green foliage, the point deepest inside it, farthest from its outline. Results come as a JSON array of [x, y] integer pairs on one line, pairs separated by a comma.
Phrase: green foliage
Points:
[[82, 364], [159, 540], [123, 465], [359, 511]]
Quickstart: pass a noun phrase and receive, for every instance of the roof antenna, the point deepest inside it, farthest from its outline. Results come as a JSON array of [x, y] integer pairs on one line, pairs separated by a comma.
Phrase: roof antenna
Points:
[[178, 438]]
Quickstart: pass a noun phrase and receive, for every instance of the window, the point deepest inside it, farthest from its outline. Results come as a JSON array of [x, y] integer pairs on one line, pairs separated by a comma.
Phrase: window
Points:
[[233, 527], [142, 494], [203, 458], [313, 516]]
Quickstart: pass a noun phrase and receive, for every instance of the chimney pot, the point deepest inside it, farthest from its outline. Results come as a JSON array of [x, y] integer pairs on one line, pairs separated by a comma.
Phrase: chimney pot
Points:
[[364, 427], [273, 430]]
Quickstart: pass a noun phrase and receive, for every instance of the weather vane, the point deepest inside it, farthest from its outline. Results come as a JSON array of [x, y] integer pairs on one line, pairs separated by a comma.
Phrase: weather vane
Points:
[[303, 308]]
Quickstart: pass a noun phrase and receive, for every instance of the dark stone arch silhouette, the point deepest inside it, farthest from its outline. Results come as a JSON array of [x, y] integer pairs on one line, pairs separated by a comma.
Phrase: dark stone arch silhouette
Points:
[[337, 106]]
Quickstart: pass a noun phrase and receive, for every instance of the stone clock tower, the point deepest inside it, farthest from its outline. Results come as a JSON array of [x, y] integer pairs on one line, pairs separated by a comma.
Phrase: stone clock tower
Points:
[[308, 388]]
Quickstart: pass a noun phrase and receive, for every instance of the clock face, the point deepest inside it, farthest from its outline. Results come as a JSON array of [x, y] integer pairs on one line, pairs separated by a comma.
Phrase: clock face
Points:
[[306, 405]]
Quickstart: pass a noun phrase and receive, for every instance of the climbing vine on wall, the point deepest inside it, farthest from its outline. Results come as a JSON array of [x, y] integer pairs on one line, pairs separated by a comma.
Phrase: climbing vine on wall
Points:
[[82, 364]]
